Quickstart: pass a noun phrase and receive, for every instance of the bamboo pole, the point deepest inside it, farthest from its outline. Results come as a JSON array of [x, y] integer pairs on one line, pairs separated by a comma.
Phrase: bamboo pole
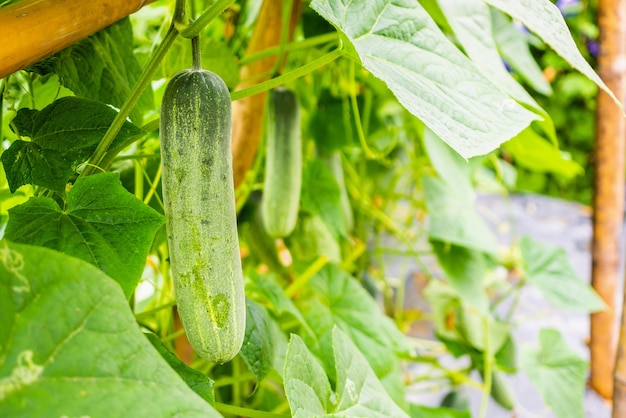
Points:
[[34, 29], [608, 193]]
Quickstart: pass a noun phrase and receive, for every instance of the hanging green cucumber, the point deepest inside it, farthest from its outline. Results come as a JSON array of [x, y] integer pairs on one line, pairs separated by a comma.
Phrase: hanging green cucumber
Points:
[[283, 164], [198, 196]]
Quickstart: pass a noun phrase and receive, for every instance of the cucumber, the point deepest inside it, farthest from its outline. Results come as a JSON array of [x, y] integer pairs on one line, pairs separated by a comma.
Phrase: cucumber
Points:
[[501, 390], [198, 195], [283, 164]]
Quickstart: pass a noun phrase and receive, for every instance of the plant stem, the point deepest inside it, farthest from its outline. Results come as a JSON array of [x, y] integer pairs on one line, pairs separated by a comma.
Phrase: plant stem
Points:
[[146, 314], [290, 76], [130, 103], [487, 360], [306, 43], [192, 30], [230, 380], [301, 280], [245, 412], [197, 56]]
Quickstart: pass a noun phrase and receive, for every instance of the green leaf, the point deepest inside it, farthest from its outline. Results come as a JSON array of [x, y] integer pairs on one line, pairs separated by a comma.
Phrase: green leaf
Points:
[[70, 345], [101, 223], [103, 67], [462, 324], [465, 270], [197, 381], [312, 239], [452, 218], [471, 22], [359, 392], [306, 385], [419, 411], [558, 372], [63, 135], [531, 151], [258, 346], [334, 298], [549, 270], [265, 289], [321, 196], [545, 20], [453, 169], [513, 46], [402, 45]]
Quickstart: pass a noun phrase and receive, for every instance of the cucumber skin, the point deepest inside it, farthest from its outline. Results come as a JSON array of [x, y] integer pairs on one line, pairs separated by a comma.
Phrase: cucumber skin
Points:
[[283, 165], [198, 195]]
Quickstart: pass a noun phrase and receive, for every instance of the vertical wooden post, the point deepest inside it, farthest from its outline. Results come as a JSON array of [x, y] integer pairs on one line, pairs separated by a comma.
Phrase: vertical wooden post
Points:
[[609, 192], [248, 112]]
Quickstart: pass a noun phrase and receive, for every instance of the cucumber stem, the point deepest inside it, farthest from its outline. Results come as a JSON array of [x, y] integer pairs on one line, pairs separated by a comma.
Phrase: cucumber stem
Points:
[[293, 46], [192, 30], [197, 55], [290, 76]]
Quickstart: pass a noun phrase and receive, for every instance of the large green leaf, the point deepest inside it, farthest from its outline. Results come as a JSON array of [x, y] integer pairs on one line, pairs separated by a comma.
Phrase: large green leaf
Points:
[[70, 345], [63, 135], [101, 223], [471, 22], [531, 151], [419, 411], [513, 45], [263, 288], [545, 20], [334, 298], [452, 218], [103, 67], [306, 384], [549, 270], [453, 169], [465, 270], [398, 42], [558, 372], [258, 346], [358, 392], [196, 380], [321, 196]]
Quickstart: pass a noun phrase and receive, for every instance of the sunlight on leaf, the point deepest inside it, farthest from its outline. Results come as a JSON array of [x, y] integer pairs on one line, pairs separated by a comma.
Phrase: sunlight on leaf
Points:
[[545, 19], [400, 44]]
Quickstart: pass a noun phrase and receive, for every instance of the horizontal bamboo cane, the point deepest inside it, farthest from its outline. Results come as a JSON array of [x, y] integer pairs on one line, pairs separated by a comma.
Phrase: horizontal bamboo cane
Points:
[[34, 29]]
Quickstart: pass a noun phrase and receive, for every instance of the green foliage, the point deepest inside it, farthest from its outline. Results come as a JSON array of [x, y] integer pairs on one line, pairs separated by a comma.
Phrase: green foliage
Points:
[[89, 319], [63, 135], [101, 223], [410, 91], [554, 364]]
